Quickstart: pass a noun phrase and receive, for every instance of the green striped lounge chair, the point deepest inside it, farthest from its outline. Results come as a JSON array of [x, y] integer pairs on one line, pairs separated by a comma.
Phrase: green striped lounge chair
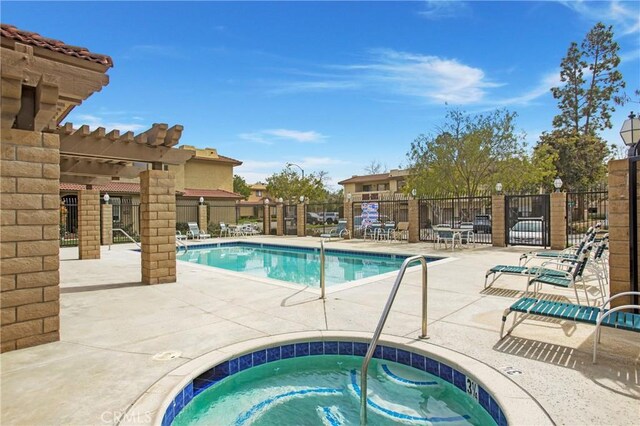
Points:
[[600, 316], [570, 253]]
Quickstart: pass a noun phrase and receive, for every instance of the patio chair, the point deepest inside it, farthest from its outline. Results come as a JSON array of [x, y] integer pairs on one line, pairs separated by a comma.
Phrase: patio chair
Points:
[[339, 232], [180, 236], [196, 232], [224, 230], [401, 232], [447, 235], [599, 316], [386, 231]]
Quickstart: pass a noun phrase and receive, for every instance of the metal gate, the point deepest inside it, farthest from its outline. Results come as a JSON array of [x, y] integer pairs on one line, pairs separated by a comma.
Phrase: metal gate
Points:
[[470, 212], [126, 216], [585, 209], [634, 269], [365, 213], [322, 218], [69, 221], [527, 220], [290, 219]]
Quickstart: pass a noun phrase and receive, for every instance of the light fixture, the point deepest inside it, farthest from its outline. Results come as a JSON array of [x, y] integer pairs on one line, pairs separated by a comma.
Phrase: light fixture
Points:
[[201, 200], [349, 196], [414, 192], [280, 200], [106, 197], [499, 187], [557, 183], [266, 201], [302, 198], [294, 164], [630, 133]]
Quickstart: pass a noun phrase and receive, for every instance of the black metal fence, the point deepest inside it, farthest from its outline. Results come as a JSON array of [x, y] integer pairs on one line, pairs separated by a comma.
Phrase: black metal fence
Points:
[[321, 218], [527, 220], [290, 219], [585, 209], [69, 221], [126, 216], [365, 213], [186, 213], [470, 212]]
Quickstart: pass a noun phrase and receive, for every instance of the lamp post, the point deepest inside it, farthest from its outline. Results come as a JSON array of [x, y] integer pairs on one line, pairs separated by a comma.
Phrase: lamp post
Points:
[[499, 188], [301, 199], [106, 197], [201, 200], [294, 164], [557, 183], [630, 133]]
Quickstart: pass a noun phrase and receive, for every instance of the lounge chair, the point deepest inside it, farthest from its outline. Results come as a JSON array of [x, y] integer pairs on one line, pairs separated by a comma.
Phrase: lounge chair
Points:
[[224, 230], [598, 316], [196, 232], [568, 253], [340, 231], [180, 236]]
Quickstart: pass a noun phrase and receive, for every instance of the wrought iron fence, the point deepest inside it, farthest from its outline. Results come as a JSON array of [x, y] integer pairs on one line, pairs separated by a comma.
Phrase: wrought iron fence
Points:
[[290, 219], [321, 218], [366, 213], [470, 212], [585, 209], [527, 220], [126, 216], [69, 221]]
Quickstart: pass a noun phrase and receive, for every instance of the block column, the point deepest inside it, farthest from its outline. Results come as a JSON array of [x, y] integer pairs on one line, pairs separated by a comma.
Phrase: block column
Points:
[[348, 216], [279, 219], [89, 224], [266, 220], [158, 227], [558, 222], [498, 233], [29, 238], [619, 237], [107, 224], [203, 220], [302, 217], [414, 221]]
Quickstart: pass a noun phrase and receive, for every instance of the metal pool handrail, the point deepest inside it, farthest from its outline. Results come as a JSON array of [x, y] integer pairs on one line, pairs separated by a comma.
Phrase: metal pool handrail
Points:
[[182, 244], [322, 285], [127, 235], [383, 320]]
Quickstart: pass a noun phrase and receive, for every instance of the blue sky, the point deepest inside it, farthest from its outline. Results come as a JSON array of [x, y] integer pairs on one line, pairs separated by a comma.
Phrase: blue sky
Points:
[[328, 85]]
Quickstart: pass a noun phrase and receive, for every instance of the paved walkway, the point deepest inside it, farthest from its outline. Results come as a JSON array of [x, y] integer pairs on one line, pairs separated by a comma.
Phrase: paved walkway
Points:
[[111, 327]]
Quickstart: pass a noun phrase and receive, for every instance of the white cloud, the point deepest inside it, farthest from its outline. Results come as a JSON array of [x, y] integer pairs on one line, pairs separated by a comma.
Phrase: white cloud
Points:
[[270, 136], [624, 17], [94, 121], [543, 88], [442, 9]]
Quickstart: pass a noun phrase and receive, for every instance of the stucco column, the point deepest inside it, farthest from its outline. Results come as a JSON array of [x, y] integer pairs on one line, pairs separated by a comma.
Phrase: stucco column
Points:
[[158, 227], [414, 221], [558, 220], [203, 220], [619, 238], [348, 216], [106, 211], [498, 233], [280, 219], [266, 220], [89, 224], [302, 217]]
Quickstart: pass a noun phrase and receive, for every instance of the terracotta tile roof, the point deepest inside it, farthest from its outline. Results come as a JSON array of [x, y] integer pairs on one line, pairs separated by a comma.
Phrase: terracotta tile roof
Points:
[[35, 39], [111, 187], [209, 193]]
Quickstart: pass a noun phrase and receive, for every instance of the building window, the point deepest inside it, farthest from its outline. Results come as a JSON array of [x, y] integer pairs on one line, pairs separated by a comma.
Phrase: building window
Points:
[[258, 193], [367, 188]]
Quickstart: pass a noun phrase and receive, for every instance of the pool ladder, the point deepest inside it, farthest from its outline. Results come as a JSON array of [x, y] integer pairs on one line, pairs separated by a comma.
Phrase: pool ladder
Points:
[[383, 320]]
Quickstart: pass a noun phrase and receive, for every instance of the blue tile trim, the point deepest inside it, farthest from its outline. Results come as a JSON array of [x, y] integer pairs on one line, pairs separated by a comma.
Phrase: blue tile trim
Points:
[[235, 365]]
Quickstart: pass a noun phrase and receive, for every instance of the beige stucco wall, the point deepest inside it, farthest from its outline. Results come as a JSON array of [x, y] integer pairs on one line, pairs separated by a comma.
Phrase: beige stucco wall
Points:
[[203, 174]]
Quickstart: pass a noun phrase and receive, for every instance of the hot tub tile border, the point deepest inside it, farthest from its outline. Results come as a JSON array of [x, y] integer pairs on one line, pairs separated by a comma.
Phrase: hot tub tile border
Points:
[[302, 349]]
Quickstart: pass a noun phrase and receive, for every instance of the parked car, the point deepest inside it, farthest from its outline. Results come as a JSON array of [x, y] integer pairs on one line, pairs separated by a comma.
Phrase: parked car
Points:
[[482, 224], [329, 217], [527, 232], [313, 218]]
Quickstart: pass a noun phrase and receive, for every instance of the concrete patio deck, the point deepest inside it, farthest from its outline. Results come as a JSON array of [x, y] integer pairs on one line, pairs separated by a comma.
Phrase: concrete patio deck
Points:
[[112, 326]]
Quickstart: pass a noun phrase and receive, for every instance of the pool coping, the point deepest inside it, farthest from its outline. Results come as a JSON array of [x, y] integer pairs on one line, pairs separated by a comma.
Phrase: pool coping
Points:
[[330, 289], [518, 406]]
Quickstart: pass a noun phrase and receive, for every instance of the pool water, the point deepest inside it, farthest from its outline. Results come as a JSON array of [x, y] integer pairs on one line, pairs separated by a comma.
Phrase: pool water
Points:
[[325, 390], [293, 264]]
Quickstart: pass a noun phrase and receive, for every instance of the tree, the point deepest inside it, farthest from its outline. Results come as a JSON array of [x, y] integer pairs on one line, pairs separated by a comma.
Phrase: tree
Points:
[[289, 186], [585, 100], [240, 186], [375, 167], [470, 154]]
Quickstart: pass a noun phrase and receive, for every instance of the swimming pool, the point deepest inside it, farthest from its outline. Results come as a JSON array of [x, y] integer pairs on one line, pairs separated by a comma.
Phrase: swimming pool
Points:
[[299, 265]]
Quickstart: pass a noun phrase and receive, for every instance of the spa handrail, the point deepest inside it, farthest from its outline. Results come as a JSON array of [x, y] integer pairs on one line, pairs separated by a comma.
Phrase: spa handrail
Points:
[[182, 244], [127, 235], [322, 284], [383, 320]]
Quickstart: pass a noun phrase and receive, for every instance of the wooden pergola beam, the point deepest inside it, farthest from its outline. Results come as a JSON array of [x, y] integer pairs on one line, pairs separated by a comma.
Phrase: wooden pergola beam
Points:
[[85, 180], [89, 167]]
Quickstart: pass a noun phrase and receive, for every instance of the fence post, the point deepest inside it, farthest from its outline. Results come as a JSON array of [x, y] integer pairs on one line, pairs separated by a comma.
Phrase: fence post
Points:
[[619, 235], [414, 221], [280, 219], [203, 221], [302, 217], [498, 219], [266, 219], [106, 212], [348, 216], [558, 222], [89, 224]]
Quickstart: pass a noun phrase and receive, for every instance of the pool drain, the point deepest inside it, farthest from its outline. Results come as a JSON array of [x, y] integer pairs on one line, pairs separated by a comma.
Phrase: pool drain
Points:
[[511, 371], [166, 355]]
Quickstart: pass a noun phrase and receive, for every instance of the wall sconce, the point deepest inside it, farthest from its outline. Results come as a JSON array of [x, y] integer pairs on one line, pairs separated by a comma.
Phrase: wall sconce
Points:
[[499, 188], [106, 197], [349, 196], [302, 198], [280, 200], [266, 201], [413, 193], [557, 183], [201, 200]]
